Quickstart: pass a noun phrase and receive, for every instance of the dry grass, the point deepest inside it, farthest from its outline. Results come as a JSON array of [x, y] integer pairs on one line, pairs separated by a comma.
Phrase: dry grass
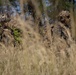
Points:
[[34, 58]]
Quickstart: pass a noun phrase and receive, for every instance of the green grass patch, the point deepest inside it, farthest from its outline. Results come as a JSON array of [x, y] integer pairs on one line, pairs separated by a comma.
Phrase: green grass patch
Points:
[[17, 35]]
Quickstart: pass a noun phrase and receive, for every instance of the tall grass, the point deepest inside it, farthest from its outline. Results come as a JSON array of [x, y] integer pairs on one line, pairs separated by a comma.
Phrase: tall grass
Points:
[[33, 57]]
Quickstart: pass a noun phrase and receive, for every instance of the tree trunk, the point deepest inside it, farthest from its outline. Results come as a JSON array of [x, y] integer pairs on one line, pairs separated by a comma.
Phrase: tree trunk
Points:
[[73, 25]]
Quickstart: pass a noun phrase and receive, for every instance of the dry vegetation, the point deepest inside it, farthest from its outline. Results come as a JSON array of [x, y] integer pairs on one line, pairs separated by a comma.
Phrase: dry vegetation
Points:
[[35, 58], [37, 55]]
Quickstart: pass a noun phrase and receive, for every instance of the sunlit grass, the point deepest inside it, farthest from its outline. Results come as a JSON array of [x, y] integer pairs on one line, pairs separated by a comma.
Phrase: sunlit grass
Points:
[[34, 56]]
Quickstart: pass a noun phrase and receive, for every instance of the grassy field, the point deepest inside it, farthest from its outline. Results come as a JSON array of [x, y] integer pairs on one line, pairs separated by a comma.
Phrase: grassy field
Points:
[[32, 57]]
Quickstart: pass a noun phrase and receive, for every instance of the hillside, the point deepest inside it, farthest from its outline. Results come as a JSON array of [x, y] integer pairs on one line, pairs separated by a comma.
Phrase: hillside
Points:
[[26, 51]]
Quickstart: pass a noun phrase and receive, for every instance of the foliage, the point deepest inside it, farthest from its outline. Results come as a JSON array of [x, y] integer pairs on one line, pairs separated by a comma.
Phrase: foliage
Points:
[[11, 0], [67, 5], [0, 2], [0, 24], [17, 34]]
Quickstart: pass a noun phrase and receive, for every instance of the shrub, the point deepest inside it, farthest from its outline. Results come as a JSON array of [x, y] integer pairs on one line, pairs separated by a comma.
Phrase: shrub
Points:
[[17, 35]]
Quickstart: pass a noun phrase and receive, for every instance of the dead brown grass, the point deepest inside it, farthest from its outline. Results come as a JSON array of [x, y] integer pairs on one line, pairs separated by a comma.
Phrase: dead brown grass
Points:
[[33, 58]]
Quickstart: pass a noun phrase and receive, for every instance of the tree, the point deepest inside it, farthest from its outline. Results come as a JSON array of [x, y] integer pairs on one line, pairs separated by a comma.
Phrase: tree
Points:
[[73, 19]]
